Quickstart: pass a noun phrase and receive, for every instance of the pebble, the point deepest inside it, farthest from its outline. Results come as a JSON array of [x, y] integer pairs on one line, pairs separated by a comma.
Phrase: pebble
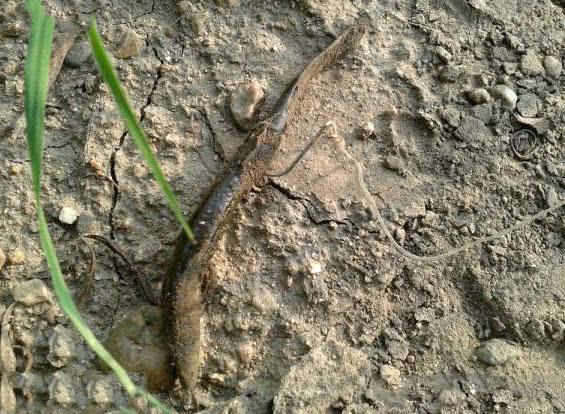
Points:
[[531, 64], [78, 55], [394, 163], [245, 102], [16, 258], [183, 6], [496, 352], [131, 45], [528, 105], [61, 347], [68, 215], [314, 267], [2, 259], [197, 24], [472, 130], [553, 66], [443, 54], [96, 165], [100, 391], [61, 389], [424, 315], [391, 375], [31, 292], [479, 96], [502, 396], [506, 95], [365, 131]]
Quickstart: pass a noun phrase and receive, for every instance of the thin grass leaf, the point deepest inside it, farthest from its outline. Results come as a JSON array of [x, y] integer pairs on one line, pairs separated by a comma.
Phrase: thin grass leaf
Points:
[[35, 94], [111, 79]]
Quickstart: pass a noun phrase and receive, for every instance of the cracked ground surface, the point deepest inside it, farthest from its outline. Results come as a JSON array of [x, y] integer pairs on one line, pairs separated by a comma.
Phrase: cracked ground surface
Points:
[[311, 310]]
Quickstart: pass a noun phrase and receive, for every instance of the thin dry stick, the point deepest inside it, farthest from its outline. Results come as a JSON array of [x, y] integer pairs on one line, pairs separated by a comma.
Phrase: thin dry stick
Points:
[[330, 127]]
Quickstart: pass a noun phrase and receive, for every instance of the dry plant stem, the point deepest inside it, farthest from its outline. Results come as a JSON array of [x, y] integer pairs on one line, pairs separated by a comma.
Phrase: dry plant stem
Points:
[[184, 282], [330, 127]]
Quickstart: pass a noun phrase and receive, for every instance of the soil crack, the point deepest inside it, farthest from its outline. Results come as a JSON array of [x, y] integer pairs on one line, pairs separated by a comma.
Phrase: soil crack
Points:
[[313, 211]]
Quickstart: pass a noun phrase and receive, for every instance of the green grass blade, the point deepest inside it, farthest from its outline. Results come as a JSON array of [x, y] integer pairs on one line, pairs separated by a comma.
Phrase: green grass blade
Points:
[[111, 79], [36, 86]]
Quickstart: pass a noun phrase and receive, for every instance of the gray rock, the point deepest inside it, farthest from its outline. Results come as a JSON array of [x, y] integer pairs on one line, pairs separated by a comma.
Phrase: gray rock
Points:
[[31, 292], [497, 352], [198, 24], [479, 96], [528, 105], [553, 66], [484, 112], [78, 55], [506, 95], [451, 115], [131, 45], [443, 54], [531, 64], [449, 74], [394, 163], [472, 130]]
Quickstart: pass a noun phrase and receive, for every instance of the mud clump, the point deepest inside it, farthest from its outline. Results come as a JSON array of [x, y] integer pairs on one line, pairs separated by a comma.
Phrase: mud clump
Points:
[[139, 344]]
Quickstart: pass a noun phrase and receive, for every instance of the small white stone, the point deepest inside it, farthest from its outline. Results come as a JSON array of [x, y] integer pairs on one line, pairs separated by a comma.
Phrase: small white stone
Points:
[[31, 292], [506, 95], [68, 215], [553, 66], [314, 267]]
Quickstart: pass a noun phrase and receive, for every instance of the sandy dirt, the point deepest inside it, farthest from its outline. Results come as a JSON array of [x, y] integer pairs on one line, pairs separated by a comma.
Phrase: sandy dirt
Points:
[[453, 108]]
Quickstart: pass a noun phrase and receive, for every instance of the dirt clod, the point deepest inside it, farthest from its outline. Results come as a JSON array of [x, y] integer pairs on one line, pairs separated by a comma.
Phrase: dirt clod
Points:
[[245, 102], [31, 292]]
